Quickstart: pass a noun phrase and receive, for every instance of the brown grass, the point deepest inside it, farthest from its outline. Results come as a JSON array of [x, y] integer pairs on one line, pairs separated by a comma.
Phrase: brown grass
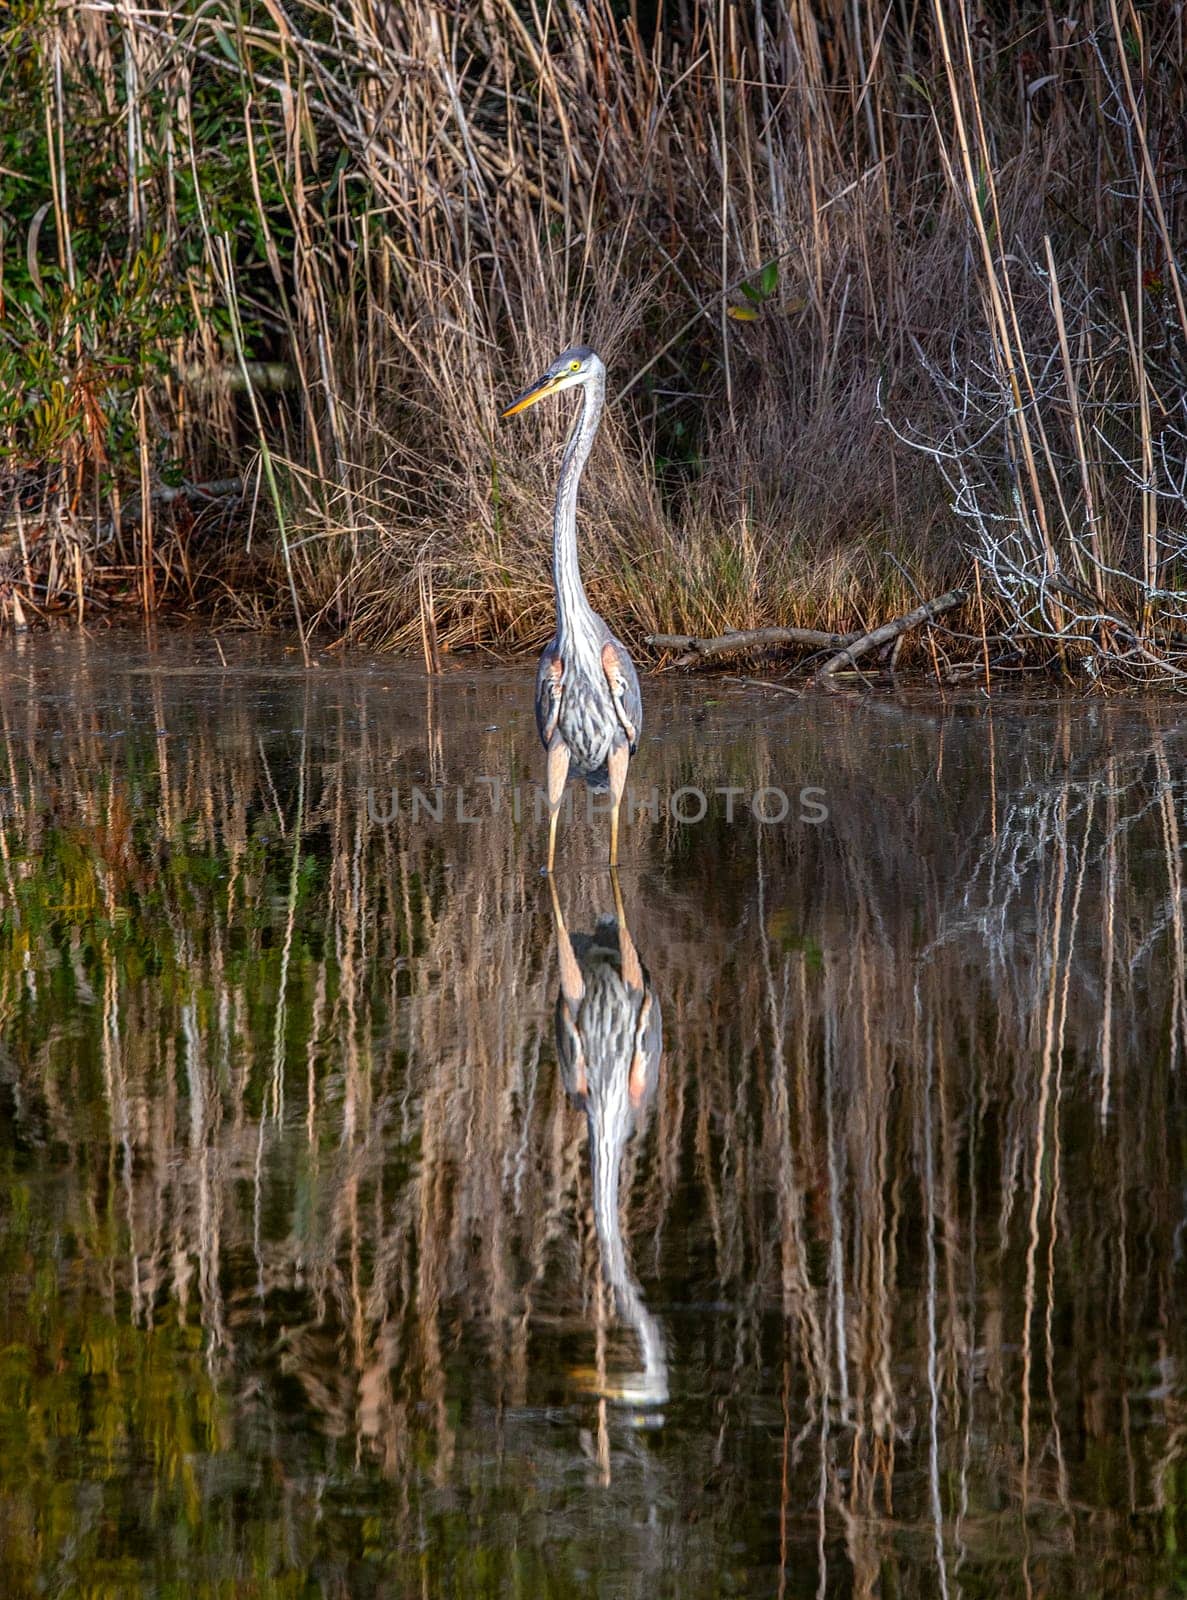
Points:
[[973, 236]]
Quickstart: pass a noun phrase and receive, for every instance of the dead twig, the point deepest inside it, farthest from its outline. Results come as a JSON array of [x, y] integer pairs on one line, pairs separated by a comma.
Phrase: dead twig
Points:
[[765, 683]]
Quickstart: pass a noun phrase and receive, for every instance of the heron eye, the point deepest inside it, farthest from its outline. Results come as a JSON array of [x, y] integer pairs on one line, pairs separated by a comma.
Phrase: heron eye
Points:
[[574, 366]]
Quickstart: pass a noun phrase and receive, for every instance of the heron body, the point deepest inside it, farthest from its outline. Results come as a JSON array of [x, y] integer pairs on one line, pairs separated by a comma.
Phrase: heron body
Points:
[[609, 1043], [575, 705], [589, 708]]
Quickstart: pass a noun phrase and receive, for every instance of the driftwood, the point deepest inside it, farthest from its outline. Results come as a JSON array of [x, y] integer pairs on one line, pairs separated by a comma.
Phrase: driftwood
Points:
[[732, 644], [890, 630], [198, 493], [267, 377], [848, 646]]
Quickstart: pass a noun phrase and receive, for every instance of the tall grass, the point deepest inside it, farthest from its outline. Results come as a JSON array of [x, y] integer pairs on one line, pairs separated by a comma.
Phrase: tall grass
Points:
[[808, 240]]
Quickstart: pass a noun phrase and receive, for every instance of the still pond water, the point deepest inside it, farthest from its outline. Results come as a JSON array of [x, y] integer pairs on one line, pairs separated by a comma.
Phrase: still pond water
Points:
[[803, 1215]]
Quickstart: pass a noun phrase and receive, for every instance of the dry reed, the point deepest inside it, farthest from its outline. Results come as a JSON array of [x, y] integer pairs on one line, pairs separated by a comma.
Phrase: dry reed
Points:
[[786, 227]]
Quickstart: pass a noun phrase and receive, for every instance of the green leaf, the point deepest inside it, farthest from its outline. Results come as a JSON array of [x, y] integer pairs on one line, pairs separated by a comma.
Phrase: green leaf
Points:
[[768, 279], [227, 48], [339, 168], [752, 294]]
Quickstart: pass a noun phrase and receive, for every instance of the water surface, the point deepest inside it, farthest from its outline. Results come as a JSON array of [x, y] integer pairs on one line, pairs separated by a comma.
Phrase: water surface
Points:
[[808, 1218]]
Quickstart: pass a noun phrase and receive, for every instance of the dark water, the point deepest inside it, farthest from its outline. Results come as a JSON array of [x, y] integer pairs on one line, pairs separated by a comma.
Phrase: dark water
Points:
[[811, 1223]]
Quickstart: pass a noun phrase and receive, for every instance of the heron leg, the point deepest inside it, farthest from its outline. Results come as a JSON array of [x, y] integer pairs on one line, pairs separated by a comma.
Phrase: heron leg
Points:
[[558, 771], [616, 763]]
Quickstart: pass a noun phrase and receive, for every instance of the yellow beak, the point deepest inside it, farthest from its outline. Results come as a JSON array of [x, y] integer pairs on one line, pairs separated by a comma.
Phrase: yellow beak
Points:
[[529, 397]]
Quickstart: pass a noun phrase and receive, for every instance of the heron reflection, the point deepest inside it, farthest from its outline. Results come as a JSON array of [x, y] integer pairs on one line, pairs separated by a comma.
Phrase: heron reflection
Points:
[[609, 1040]]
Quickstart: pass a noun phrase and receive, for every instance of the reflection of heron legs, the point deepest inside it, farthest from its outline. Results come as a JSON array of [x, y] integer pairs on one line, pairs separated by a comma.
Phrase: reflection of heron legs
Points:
[[632, 976], [616, 763], [572, 983], [558, 771], [632, 972]]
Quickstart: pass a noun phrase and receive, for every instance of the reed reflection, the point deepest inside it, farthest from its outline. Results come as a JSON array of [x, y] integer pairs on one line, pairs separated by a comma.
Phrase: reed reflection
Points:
[[609, 1044], [294, 1255]]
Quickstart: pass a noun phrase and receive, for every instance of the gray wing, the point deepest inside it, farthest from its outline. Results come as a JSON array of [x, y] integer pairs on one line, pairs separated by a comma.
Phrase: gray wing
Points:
[[570, 1054], [651, 1028], [630, 696], [549, 676]]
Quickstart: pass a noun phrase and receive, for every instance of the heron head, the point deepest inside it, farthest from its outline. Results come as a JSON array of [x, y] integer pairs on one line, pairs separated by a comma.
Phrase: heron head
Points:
[[571, 367]]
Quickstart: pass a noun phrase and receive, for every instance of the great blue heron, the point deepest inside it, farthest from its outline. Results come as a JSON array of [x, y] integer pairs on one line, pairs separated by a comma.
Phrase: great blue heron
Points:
[[609, 1042], [588, 706]]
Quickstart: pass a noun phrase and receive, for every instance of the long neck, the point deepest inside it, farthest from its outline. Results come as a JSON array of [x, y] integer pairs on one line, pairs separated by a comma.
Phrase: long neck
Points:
[[572, 605], [608, 1125]]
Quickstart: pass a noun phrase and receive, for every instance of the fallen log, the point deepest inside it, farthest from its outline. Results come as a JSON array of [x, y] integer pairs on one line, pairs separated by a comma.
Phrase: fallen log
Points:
[[732, 644], [198, 493], [847, 657]]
